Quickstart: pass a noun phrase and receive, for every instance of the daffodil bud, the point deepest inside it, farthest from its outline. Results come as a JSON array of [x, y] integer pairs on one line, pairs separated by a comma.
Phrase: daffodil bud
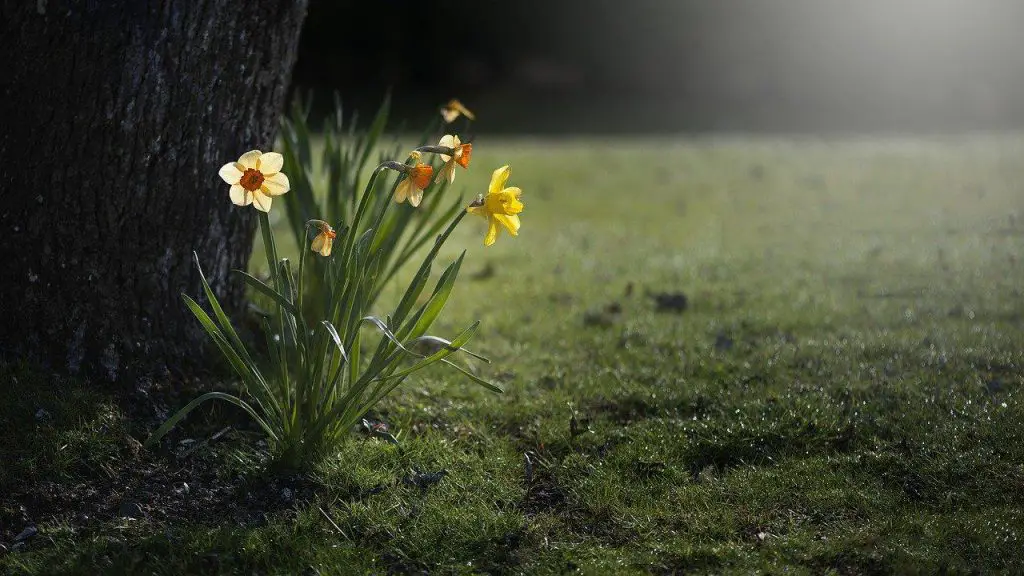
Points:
[[323, 241]]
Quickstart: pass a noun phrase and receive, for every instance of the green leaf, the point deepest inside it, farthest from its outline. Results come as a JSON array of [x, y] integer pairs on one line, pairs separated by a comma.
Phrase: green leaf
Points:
[[246, 370], [173, 420], [376, 129], [441, 342], [414, 243], [262, 288], [335, 338], [438, 298], [383, 328], [342, 365], [492, 387], [457, 343], [218, 338], [353, 360], [222, 318]]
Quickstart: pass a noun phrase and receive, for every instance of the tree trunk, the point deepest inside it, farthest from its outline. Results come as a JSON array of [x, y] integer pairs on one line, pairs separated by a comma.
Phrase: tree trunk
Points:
[[116, 116]]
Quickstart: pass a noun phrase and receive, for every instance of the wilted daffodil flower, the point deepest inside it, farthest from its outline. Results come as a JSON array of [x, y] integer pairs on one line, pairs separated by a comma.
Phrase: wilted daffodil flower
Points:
[[255, 179], [500, 206], [417, 178], [324, 240], [460, 155], [453, 109]]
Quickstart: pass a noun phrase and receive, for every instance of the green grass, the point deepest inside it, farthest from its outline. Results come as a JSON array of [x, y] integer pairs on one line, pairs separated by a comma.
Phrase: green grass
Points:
[[842, 394]]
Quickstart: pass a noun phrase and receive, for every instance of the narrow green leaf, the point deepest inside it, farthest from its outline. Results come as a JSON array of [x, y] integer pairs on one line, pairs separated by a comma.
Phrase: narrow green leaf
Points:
[[441, 342], [247, 371], [492, 387], [222, 318], [173, 420], [437, 300], [376, 129], [335, 338], [262, 288], [457, 343]]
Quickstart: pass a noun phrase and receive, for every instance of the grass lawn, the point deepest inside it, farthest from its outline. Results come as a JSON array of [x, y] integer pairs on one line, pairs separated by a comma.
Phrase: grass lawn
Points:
[[842, 392]]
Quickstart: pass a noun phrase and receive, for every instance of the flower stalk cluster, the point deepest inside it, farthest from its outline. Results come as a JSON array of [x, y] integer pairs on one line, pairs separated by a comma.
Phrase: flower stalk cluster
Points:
[[319, 371]]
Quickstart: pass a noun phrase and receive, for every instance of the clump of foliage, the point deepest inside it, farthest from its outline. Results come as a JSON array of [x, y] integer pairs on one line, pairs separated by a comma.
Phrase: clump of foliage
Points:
[[319, 374]]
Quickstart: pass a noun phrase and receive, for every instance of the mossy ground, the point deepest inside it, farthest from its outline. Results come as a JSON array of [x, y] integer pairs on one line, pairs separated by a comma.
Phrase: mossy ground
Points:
[[841, 394]]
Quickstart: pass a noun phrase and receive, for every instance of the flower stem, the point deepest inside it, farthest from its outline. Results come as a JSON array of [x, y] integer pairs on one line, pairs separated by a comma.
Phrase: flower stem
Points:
[[270, 248], [302, 262], [437, 150], [350, 239]]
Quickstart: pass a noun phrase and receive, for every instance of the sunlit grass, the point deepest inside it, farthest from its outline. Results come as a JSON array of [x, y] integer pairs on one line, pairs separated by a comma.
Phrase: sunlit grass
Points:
[[841, 393]]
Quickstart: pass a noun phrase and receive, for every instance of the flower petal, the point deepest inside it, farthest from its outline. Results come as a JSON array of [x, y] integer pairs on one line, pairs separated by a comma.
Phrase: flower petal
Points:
[[261, 201], [454, 104], [510, 200], [250, 159], [448, 141], [510, 222], [322, 244], [240, 196], [416, 196], [478, 210], [465, 152], [276, 184], [492, 231], [402, 191], [271, 163], [230, 173], [449, 115], [446, 172], [498, 179]]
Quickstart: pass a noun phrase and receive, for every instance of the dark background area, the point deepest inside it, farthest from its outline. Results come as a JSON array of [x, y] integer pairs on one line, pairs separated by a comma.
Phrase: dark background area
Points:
[[662, 66]]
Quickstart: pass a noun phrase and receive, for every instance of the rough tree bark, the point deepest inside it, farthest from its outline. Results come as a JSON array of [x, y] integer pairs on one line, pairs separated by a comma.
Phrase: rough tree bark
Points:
[[115, 116]]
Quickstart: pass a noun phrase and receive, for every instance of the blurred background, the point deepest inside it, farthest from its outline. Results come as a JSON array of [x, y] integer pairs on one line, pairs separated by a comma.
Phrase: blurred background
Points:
[[657, 66]]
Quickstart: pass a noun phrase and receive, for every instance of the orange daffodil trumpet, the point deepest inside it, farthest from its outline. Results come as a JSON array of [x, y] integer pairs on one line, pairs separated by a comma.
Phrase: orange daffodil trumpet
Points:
[[324, 240], [501, 206], [255, 179], [453, 109], [417, 178], [460, 155]]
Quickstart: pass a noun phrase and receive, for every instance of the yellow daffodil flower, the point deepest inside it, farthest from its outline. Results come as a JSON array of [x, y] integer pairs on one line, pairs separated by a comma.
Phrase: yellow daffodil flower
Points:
[[323, 241], [453, 109], [500, 206], [255, 179], [417, 178], [461, 155]]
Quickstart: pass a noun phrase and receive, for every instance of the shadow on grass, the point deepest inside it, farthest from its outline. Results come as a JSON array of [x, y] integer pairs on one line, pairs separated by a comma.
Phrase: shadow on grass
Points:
[[73, 458], [55, 434]]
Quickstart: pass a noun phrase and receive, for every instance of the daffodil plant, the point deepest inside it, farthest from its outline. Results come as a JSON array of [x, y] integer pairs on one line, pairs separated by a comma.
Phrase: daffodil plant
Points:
[[320, 371], [326, 186]]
